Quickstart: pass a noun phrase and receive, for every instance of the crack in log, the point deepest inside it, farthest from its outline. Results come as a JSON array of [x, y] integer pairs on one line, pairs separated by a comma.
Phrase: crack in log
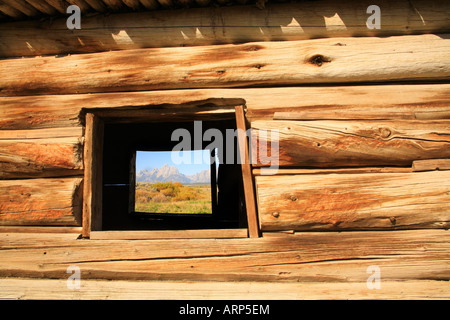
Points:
[[175, 257], [36, 210], [328, 260]]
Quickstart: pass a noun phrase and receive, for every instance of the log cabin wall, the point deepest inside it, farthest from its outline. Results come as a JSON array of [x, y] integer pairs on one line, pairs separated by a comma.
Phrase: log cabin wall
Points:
[[363, 115]]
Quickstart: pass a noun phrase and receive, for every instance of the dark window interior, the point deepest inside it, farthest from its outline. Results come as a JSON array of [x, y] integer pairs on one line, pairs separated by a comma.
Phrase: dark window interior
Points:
[[122, 140]]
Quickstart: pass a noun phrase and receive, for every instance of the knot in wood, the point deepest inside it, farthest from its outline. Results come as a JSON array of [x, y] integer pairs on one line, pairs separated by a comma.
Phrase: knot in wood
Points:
[[252, 48], [385, 133], [393, 220], [318, 60]]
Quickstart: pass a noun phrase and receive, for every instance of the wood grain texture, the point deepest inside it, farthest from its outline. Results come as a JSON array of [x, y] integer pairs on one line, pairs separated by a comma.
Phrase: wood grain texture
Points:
[[59, 5], [430, 165], [83, 4], [40, 153], [42, 7], [70, 110], [97, 5], [180, 113], [338, 60], [169, 234], [93, 174], [49, 289], [39, 229], [49, 201], [114, 4], [49, 133], [365, 201], [350, 143], [11, 11], [290, 171], [149, 4], [212, 25], [407, 102], [23, 7], [249, 190], [327, 257]]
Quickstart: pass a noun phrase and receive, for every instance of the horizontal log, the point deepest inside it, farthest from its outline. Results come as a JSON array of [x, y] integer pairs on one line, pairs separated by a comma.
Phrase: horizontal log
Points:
[[337, 60], [237, 24], [39, 229], [51, 289], [51, 201], [355, 102], [69, 110], [429, 165], [350, 143], [169, 234], [284, 171], [46, 157], [304, 257], [23, 7], [325, 113], [363, 201], [51, 133]]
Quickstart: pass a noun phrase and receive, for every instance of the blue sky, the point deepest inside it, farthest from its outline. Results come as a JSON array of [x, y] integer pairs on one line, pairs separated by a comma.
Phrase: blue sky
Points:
[[156, 159]]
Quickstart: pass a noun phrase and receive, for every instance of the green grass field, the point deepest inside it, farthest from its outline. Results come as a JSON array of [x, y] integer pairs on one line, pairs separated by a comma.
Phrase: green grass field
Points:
[[172, 197]]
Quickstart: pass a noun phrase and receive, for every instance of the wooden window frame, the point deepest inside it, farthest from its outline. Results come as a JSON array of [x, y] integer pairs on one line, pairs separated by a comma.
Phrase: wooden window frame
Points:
[[92, 188]]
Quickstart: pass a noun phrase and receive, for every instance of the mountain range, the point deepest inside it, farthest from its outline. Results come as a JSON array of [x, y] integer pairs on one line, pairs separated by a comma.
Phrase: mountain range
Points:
[[171, 173]]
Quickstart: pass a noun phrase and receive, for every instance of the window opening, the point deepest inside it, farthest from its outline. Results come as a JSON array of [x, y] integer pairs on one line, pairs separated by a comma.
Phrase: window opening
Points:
[[166, 185], [113, 141], [145, 187]]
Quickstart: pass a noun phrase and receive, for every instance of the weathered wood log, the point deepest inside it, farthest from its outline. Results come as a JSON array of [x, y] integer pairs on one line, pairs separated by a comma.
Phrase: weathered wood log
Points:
[[339, 60], [58, 111], [429, 165], [247, 178], [168, 113], [51, 201], [42, 7], [355, 102], [67, 132], [51, 289], [170, 234], [40, 229], [354, 201], [40, 153], [11, 11], [93, 174], [284, 171], [237, 24], [350, 143], [309, 256], [23, 7], [325, 113]]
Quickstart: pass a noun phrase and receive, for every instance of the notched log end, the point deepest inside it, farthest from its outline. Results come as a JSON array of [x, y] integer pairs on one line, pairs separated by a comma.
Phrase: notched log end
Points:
[[78, 154], [77, 201]]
